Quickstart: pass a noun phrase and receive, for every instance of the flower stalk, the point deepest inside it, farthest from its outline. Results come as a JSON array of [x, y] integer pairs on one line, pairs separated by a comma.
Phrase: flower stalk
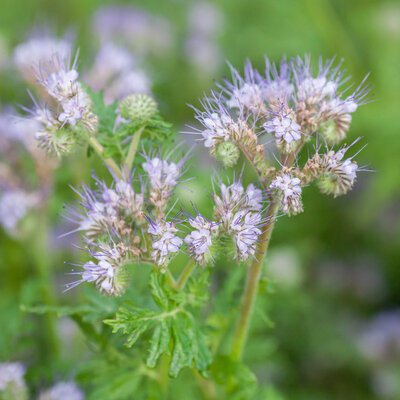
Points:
[[251, 287], [109, 161]]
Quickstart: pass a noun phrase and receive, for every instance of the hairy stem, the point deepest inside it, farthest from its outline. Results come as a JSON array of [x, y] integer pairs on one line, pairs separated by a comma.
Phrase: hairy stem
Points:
[[251, 286], [132, 149], [180, 283], [109, 161]]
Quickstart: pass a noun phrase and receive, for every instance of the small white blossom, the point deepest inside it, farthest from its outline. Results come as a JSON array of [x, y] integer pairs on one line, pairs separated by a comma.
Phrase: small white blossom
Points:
[[285, 129], [216, 127], [108, 273], [289, 190], [165, 241]]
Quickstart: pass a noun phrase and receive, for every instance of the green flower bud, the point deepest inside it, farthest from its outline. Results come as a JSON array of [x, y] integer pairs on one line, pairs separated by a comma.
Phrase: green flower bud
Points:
[[138, 107], [228, 154]]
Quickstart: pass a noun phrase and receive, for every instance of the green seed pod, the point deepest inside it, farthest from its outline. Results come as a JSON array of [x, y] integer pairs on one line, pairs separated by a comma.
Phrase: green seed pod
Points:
[[228, 154], [138, 107]]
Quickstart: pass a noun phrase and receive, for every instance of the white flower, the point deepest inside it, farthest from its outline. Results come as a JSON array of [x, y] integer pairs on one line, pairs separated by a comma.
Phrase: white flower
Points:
[[216, 127], [289, 190], [162, 173], [245, 227], [199, 241], [254, 197], [285, 128], [165, 241]]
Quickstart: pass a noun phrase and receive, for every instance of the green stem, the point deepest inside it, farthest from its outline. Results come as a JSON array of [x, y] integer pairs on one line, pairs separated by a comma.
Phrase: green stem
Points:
[[109, 161], [132, 149], [185, 275], [251, 286], [42, 264]]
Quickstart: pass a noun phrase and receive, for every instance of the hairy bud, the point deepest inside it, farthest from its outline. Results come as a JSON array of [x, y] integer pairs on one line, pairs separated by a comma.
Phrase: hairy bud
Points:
[[228, 154], [138, 107]]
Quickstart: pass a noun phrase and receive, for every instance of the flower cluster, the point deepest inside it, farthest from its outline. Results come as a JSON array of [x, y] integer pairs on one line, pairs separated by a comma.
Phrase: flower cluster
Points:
[[293, 103], [116, 215], [71, 111], [238, 213], [288, 189], [333, 174]]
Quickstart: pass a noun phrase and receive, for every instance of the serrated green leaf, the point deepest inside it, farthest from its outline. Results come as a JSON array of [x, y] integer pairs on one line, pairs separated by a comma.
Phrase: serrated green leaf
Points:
[[159, 343], [175, 333], [106, 113], [158, 292]]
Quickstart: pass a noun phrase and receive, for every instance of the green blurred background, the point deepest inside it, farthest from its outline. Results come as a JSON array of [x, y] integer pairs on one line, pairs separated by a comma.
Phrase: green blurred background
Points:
[[335, 267]]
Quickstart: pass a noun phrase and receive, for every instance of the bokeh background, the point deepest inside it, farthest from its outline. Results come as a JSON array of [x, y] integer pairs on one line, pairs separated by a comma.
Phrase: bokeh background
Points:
[[333, 272]]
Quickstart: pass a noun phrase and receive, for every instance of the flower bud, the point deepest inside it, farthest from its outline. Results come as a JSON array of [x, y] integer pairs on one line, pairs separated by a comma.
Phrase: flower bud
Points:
[[138, 107], [228, 154]]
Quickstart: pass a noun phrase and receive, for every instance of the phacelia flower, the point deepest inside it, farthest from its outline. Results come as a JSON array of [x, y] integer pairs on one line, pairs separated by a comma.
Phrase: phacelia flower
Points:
[[163, 175], [108, 272], [108, 209], [63, 391], [288, 189], [285, 129], [246, 226], [60, 79], [234, 198], [199, 241], [165, 241], [337, 177]]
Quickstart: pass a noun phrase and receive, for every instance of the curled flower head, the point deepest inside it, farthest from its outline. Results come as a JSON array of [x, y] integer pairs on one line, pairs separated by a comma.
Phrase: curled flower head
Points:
[[165, 241], [288, 188], [164, 175], [336, 176], [233, 198], [108, 272], [73, 108], [246, 226], [116, 209], [199, 241]]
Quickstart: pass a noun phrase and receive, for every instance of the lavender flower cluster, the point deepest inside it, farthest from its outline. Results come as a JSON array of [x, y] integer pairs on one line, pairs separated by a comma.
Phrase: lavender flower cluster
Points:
[[294, 104], [131, 222]]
